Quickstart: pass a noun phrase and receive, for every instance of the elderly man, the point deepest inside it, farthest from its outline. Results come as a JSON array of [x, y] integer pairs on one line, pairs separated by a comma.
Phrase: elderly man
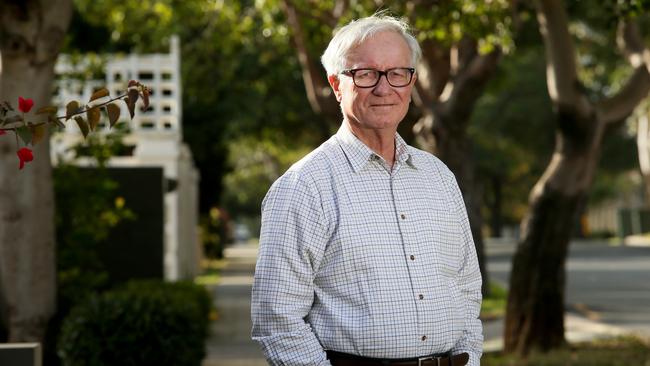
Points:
[[366, 256]]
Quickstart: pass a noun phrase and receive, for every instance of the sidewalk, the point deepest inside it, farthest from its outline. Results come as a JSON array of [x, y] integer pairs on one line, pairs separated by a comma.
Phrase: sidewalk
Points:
[[230, 343]]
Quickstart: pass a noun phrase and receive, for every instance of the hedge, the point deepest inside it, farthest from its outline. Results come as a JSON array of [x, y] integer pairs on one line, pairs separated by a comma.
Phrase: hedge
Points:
[[143, 323]]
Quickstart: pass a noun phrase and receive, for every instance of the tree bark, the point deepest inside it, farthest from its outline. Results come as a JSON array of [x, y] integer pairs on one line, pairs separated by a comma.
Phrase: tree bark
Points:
[[31, 34], [535, 310], [643, 149]]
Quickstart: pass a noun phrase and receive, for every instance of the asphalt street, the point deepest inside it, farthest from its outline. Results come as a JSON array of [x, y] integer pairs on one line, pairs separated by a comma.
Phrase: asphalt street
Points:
[[607, 284]]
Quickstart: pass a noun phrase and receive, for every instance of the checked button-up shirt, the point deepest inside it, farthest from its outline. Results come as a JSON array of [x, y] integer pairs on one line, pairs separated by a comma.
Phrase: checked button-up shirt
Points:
[[362, 258]]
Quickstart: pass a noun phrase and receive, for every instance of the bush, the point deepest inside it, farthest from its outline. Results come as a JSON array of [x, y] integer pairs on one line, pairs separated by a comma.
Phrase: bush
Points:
[[143, 323]]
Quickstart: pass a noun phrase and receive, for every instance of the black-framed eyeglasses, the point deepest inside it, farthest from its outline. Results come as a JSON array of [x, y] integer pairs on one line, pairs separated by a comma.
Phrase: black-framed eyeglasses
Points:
[[368, 78]]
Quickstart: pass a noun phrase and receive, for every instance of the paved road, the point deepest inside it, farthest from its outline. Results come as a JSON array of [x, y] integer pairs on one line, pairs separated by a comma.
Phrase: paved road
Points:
[[608, 284]]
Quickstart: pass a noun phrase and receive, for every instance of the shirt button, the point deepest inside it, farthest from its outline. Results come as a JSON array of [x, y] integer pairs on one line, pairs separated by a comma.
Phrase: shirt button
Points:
[[424, 338], [403, 216], [421, 296], [412, 257]]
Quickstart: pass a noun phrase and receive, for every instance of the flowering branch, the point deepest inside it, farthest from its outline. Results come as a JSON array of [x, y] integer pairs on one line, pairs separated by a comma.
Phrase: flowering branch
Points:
[[32, 133]]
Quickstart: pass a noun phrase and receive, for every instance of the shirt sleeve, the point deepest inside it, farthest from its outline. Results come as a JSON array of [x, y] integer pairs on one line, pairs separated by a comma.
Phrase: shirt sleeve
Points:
[[469, 281], [292, 241]]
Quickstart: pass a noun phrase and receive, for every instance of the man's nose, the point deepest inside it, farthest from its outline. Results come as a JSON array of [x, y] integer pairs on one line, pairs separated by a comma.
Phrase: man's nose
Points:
[[382, 87]]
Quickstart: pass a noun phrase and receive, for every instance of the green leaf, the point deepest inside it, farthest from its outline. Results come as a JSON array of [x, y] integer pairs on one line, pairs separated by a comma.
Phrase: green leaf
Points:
[[99, 94], [83, 125], [93, 117], [113, 111], [25, 134], [70, 109], [38, 133], [47, 110]]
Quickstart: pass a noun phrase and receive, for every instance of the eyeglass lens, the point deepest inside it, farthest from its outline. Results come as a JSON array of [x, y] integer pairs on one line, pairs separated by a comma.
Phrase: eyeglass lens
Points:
[[369, 77]]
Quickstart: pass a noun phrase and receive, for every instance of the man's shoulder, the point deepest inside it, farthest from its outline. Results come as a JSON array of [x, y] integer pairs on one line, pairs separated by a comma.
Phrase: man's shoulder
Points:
[[428, 161], [316, 160], [313, 167]]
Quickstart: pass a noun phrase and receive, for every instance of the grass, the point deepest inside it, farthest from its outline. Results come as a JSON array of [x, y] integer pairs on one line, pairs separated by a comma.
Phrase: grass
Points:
[[494, 306], [622, 351], [211, 270]]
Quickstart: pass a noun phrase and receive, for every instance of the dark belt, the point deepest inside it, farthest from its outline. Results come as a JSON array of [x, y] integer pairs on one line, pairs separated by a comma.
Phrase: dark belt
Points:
[[346, 359]]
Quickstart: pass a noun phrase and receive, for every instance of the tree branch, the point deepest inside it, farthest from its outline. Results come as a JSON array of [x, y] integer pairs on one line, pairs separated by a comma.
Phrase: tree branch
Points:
[[340, 7], [469, 83], [433, 71], [326, 18], [561, 74], [314, 84], [622, 104]]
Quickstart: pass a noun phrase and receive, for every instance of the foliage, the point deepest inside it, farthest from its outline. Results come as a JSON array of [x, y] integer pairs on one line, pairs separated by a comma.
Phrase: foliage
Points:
[[610, 352], [239, 71], [494, 305], [502, 123], [215, 232], [242, 80], [257, 164], [187, 290], [87, 210], [143, 323]]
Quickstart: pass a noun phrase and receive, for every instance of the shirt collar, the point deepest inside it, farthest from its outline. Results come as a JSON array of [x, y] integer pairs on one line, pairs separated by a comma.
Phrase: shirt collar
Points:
[[359, 154]]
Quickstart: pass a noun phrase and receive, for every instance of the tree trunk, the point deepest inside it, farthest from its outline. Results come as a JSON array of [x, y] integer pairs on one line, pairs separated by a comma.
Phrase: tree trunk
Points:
[[535, 312], [31, 33], [643, 149]]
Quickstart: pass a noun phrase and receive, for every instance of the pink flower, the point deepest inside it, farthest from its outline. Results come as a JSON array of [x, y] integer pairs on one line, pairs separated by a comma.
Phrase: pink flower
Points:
[[25, 105], [24, 155]]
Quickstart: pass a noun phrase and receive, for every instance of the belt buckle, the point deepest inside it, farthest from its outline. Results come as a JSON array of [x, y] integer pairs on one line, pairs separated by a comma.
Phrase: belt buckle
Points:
[[421, 359]]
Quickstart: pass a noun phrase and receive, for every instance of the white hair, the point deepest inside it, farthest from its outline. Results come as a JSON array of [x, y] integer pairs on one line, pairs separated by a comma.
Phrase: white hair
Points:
[[357, 31]]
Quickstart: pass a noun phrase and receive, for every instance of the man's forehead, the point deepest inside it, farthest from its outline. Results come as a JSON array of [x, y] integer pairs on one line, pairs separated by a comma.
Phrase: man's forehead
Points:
[[382, 47]]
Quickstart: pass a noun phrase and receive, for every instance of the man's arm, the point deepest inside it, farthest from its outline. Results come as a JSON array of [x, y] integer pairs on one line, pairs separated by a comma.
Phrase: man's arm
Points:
[[469, 280], [292, 240]]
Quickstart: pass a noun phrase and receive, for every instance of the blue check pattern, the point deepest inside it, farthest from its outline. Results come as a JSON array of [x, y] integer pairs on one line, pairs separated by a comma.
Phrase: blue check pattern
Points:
[[362, 258]]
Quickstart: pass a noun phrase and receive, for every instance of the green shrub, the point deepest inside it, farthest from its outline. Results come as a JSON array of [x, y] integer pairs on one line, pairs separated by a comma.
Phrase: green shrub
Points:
[[187, 291], [143, 323]]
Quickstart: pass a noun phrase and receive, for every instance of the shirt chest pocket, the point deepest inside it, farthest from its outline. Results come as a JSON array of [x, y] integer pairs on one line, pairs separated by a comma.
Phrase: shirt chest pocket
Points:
[[447, 241]]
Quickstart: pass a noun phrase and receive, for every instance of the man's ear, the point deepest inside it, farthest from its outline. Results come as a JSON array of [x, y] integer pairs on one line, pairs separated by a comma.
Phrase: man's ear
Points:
[[334, 83]]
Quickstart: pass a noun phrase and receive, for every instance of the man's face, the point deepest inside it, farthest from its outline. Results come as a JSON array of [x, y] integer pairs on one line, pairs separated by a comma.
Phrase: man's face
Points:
[[382, 106]]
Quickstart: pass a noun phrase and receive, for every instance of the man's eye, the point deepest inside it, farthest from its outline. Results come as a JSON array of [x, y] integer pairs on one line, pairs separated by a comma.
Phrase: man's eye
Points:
[[366, 74]]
